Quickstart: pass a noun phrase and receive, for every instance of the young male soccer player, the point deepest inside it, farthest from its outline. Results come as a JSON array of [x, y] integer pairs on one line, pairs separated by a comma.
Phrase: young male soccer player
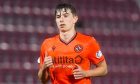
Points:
[[67, 57]]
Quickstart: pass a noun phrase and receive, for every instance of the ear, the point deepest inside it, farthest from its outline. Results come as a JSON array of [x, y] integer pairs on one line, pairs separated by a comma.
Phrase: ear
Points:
[[75, 19]]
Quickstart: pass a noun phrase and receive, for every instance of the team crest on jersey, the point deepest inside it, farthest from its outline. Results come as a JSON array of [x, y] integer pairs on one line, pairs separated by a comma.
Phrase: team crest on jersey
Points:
[[99, 54], [78, 48]]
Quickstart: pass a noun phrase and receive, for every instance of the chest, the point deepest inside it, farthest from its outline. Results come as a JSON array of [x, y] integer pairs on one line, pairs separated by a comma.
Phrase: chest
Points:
[[73, 48], [74, 52]]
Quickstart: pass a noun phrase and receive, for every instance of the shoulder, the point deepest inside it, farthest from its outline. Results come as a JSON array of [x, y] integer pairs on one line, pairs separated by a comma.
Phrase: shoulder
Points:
[[85, 37], [50, 40]]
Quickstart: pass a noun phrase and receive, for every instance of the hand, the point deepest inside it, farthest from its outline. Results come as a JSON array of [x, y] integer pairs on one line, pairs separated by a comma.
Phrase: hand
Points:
[[48, 60], [78, 72]]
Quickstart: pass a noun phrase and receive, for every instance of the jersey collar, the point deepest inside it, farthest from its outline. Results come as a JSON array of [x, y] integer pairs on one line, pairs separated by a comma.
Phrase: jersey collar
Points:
[[66, 43]]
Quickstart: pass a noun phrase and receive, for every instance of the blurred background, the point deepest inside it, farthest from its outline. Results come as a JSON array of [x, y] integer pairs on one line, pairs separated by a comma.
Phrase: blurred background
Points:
[[24, 24]]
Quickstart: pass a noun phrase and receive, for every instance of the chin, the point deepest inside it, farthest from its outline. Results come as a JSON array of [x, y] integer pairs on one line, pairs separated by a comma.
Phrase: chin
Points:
[[63, 29]]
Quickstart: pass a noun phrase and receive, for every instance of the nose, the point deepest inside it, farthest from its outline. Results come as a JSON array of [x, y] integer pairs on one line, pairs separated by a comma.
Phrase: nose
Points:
[[61, 19]]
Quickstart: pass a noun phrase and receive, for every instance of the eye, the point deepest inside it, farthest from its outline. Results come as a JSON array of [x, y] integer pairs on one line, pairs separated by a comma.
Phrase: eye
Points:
[[58, 16], [66, 15]]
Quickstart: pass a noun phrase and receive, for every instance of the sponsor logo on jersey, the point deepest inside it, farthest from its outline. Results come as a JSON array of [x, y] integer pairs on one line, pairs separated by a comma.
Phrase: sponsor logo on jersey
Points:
[[53, 48], [68, 60]]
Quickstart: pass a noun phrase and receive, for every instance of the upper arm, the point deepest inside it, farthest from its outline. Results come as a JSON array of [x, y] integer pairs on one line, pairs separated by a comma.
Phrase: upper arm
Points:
[[102, 64], [42, 53]]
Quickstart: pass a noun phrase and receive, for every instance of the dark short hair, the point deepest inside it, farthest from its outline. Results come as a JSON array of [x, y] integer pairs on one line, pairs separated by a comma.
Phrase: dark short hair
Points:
[[65, 6]]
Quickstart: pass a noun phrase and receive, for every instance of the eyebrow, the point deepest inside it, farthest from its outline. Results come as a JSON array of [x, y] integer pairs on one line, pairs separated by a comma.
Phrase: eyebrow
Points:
[[63, 14], [66, 13]]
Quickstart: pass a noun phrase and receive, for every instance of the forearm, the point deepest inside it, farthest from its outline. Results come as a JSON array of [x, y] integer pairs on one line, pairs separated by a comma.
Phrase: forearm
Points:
[[43, 74], [98, 71], [40, 73]]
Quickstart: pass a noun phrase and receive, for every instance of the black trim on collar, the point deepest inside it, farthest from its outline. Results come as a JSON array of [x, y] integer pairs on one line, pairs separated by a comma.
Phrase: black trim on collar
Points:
[[66, 43]]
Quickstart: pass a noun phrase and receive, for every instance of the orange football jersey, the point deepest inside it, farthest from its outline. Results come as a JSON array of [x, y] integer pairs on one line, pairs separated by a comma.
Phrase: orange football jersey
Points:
[[82, 50]]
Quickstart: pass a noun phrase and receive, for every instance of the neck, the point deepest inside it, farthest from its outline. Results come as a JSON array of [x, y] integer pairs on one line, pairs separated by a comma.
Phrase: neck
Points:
[[66, 36]]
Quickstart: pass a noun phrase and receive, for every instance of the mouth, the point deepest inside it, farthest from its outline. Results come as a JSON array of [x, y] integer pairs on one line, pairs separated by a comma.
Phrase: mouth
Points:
[[62, 25]]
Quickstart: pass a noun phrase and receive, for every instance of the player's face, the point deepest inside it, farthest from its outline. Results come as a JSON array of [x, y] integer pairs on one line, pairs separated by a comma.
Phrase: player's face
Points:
[[65, 20]]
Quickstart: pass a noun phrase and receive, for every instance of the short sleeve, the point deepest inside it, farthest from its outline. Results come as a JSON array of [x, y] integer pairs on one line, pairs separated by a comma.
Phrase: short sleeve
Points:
[[95, 53], [42, 53]]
